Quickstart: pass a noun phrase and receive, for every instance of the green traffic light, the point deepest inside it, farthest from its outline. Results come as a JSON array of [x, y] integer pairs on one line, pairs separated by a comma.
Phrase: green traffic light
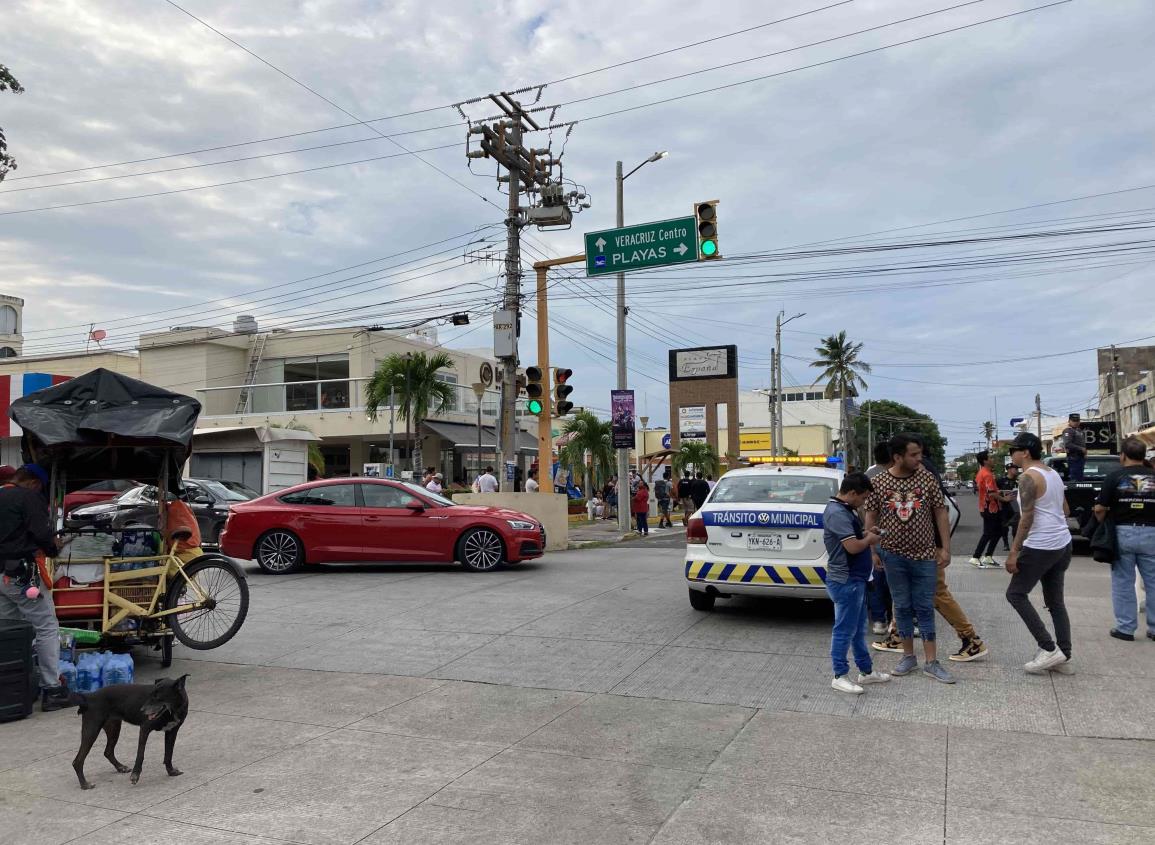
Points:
[[533, 406], [709, 247]]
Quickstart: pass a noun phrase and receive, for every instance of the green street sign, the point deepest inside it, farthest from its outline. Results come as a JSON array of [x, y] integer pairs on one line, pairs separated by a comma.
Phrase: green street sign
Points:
[[640, 247]]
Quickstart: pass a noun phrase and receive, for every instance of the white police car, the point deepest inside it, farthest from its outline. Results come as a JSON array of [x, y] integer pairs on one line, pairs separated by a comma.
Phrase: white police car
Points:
[[760, 533]]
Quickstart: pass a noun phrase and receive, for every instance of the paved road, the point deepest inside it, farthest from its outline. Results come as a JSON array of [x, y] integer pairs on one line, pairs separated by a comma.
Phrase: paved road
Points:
[[579, 700]]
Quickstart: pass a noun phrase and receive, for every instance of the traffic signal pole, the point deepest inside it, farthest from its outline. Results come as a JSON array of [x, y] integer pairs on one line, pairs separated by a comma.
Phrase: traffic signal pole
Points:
[[545, 420], [507, 439]]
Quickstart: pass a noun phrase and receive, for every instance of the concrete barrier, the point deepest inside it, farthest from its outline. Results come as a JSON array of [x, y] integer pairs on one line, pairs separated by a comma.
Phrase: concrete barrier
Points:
[[550, 509]]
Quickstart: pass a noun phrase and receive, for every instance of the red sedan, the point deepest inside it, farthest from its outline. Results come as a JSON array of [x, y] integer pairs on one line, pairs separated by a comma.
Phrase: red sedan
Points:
[[370, 519]]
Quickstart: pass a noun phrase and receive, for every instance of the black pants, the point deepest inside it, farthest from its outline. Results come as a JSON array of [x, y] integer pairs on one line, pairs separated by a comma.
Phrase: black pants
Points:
[[1050, 567], [992, 530]]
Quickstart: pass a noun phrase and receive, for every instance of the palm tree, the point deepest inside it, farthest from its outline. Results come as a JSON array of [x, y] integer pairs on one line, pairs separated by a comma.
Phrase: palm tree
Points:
[[586, 434], [696, 453], [838, 360], [411, 381], [989, 432]]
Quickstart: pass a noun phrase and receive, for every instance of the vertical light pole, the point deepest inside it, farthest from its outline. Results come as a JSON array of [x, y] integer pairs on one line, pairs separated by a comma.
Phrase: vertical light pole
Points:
[[624, 454], [479, 392], [781, 433], [392, 417]]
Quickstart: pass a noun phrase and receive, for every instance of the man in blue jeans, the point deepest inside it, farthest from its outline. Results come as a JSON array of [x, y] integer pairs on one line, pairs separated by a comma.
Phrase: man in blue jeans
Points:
[[906, 507], [1128, 497], [847, 571]]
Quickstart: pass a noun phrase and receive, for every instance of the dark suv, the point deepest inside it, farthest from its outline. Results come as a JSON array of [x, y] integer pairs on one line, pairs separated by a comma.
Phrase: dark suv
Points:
[[1081, 495], [208, 498]]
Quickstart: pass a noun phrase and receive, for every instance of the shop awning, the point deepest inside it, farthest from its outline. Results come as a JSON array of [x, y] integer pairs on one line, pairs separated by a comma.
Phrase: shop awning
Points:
[[464, 436]]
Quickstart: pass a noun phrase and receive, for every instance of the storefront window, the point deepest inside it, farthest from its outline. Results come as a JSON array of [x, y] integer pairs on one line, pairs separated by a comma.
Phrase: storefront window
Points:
[[317, 383]]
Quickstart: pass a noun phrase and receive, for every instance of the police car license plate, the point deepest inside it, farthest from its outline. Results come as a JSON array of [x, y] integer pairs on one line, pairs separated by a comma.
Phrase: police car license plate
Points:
[[767, 542]]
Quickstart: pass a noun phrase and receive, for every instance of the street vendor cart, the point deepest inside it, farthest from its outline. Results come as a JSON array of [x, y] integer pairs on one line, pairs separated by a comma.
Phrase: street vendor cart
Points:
[[103, 426]]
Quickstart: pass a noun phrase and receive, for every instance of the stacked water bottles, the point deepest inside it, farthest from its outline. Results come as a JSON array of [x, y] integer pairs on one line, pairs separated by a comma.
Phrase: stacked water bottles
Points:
[[97, 669], [136, 541]]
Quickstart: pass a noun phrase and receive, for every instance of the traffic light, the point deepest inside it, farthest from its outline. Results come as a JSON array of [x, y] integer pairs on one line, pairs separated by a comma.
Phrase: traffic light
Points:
[[706, 215], [561, 392], [533, 390]]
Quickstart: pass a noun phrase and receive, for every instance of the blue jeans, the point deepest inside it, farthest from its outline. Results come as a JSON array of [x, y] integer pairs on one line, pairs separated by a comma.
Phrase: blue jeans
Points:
[[1075, 467], [912, 585], [849, 626], [878, 600], [1136, 551]]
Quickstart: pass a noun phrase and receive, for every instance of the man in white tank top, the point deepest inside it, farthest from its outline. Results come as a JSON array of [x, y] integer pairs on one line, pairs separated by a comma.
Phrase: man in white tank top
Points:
[[1040, 553]]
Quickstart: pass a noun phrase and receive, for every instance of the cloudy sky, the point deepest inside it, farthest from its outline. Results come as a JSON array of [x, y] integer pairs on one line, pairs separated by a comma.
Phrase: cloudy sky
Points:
[[806, 150]]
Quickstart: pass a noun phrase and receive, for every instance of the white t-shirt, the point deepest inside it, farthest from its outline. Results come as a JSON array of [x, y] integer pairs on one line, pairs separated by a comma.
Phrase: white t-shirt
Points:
[[532, 486], [486, 483], [433, 486]]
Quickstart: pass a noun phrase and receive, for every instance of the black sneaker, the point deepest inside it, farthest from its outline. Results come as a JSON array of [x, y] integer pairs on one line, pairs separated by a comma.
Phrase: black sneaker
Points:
[[1119, 635], [55, 698], [971, 650], [892, 644]]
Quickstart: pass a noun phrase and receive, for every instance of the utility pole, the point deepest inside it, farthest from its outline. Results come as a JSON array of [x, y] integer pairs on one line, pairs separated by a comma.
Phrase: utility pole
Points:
[[1039, 416], [1115, 392], [773, 403], [778, 324], [528, 172], [869, 432], [392, 416]]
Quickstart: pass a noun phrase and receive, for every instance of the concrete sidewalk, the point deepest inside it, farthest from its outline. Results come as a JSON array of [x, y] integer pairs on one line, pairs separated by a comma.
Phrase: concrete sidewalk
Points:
[[586, 533], [579, 699]]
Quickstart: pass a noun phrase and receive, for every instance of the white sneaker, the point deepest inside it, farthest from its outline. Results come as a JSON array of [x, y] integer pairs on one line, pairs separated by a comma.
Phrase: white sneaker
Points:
[[878, 627], [874, 677], [974, 561], [843, 684], [989, 562], [1045, 660]]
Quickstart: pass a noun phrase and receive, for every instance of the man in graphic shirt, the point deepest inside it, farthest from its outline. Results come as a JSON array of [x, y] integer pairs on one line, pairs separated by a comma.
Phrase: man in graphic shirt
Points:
[[907, 505]]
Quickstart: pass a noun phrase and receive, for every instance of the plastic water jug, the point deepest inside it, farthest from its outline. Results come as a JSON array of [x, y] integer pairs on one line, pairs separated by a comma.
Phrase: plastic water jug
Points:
[[118, 669], [68, 674], [88, 673]]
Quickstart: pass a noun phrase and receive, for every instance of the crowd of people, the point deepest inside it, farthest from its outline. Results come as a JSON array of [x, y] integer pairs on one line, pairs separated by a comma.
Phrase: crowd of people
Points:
[[889, 566]]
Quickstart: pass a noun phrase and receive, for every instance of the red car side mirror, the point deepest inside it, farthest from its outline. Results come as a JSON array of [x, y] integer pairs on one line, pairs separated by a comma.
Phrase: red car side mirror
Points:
[[416, 505]]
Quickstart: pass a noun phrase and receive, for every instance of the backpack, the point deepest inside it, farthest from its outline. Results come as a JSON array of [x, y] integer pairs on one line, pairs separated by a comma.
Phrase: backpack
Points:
[[661, 489]]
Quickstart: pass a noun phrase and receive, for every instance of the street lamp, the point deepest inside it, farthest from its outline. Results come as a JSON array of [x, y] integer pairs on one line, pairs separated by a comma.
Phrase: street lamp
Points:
[[623, 454]]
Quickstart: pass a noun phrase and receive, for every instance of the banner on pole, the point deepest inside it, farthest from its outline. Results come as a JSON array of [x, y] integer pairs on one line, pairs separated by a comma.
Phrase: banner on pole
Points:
[[622, 416]]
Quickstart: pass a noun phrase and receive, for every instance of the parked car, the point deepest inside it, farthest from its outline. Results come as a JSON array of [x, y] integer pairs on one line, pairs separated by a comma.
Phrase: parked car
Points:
[[370, 519], [209, 500], [101, 491]]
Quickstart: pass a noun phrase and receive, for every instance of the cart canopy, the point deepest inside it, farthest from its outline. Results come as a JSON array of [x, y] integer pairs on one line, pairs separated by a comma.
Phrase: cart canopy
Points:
[[103, 425]]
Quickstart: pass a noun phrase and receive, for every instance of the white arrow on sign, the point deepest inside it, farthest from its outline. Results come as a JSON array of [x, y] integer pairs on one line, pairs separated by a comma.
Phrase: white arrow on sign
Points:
[[601, 244], [681, 249]]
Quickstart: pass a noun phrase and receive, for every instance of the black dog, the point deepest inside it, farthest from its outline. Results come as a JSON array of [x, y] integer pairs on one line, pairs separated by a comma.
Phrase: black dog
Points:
[[160, 707]]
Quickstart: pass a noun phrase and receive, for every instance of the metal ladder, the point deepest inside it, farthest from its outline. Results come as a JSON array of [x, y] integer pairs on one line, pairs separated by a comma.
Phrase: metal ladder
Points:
[[255, 355]]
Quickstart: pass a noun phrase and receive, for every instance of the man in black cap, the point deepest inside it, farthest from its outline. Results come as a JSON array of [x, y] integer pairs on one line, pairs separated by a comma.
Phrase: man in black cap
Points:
[[24, 531], [1074, 440]]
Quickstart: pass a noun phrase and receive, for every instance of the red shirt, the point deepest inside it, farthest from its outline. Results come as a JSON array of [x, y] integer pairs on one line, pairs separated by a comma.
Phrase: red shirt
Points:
[[988, 491], [641, 501]]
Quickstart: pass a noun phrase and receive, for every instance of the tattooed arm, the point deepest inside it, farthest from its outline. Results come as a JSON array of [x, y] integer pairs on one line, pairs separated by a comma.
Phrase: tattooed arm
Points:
[[1028, 495]]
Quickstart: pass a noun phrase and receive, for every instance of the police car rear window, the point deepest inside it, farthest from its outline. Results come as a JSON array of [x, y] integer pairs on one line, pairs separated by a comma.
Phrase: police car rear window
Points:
[[777, 489]]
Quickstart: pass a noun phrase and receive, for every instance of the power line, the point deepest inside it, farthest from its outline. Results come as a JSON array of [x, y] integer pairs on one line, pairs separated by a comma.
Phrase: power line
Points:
[[428, 109]]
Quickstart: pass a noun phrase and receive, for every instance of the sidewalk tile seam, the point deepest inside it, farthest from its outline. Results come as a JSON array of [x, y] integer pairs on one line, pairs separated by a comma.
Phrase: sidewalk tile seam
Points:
[[962, 805], [698, 785]]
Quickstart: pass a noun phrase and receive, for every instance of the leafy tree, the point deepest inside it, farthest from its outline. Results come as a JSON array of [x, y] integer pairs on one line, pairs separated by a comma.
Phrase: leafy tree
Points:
[[7, 83], [587, 435], [412, 379], [838, 360], [696, 453], [989, 432], [885, 417]]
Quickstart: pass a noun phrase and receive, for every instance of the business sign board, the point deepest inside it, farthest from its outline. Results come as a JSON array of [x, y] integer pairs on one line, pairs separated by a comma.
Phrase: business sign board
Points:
[[754, 441], [704, 362], [622, 418], [1100, 436], [692, 422]]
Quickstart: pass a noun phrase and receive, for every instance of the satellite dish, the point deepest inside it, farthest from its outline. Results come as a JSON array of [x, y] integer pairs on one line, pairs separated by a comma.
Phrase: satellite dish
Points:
[[98, 335]]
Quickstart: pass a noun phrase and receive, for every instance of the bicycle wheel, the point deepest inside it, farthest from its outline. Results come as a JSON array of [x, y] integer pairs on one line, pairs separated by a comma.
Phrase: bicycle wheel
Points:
[[219, 619]]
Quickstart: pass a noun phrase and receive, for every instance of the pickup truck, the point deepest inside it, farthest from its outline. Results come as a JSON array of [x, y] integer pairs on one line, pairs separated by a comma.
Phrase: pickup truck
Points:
[[1081, 495]]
